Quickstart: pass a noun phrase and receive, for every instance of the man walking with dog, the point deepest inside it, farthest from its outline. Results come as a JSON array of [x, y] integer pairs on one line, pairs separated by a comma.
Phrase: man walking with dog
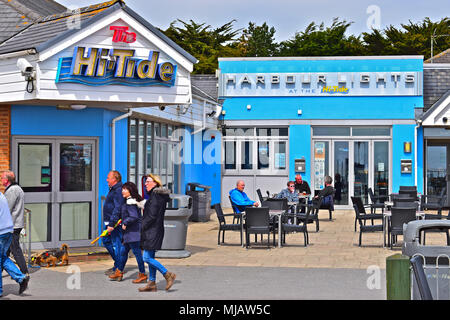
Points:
[[6, 234], [111, 213], [16, 203]]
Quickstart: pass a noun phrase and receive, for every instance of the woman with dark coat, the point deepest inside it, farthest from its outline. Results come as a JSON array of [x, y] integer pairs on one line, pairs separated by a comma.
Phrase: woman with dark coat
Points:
[[130, 213], [152, 232]]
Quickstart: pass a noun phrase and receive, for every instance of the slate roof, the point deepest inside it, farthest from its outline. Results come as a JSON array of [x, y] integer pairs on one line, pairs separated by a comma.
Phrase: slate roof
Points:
[[436, 105], [443, 57], [16, 15], [49, 30], [205, 86]]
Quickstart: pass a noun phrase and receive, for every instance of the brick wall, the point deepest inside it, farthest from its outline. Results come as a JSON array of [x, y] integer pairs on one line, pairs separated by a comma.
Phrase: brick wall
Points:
[[5, 138]]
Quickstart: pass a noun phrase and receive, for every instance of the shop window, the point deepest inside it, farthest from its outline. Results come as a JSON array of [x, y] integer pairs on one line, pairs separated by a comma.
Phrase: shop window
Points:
[[263, 154], [371, 131], [269, 132], [239, 132], [247, 155], [331, 131], [230, 155], [280, 155]]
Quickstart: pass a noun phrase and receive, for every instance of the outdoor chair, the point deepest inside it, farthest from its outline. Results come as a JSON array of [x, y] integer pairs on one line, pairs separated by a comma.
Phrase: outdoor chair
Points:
[[409, 193], [237, 215], [361, 218], [399, 217], [404, 202], [261, 198], [313, 214], [275, 204], [433, 202], [421, 278], [377, 202], [363, 215], [290, 227], [257, 222], [224, 226]]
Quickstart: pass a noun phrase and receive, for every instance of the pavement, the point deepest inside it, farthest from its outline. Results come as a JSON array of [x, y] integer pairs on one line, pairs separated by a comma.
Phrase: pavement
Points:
[[332, 266]]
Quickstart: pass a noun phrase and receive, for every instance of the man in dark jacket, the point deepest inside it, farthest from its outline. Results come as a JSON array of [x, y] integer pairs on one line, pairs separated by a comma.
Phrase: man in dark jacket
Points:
[[111, 214]]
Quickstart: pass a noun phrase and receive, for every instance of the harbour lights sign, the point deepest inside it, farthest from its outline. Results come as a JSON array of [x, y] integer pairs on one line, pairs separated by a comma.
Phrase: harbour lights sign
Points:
[[320, 84]]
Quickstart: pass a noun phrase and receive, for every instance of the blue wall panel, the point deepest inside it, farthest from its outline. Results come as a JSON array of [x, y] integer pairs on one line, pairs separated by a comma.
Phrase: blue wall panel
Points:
[[401, 134], [300, 147], [90, 122], [266, 108]]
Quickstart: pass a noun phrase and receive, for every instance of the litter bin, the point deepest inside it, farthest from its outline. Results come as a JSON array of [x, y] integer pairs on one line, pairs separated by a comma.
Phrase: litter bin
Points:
[[175, 227], [436, 258], [201, 201]]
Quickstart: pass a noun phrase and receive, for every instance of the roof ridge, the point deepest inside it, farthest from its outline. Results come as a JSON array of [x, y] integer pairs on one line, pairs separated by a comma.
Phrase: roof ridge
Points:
[[443, 53], [81, 10]]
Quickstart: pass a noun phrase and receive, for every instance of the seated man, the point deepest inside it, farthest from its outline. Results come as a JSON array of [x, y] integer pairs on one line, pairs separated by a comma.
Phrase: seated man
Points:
[[288, 193], [240, 198], [302, 187], [327, 194]]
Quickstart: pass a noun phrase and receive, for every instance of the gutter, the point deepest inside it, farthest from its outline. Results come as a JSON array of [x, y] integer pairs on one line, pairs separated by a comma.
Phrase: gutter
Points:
[[17, 53], [113, 136]]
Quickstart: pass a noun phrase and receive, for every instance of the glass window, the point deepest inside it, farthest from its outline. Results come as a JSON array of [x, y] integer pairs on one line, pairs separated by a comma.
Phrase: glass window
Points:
[[280, 155], [246, 155], [75, 167], [164, 130], [263, 154], [75, 221], [239, 132], [267, 132], [35, 167], [230, 155], [40, 222], [381, 166], [149, 148], [331, 131], [371, 131], [133, 148], [157, 129]]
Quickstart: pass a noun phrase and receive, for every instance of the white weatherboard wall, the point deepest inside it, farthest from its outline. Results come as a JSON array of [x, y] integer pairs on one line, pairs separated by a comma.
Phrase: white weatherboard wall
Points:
[[180, 93]]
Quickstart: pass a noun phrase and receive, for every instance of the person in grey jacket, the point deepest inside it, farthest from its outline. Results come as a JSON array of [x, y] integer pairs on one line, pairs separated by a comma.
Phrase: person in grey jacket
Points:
[[16, 203], [289, 193]]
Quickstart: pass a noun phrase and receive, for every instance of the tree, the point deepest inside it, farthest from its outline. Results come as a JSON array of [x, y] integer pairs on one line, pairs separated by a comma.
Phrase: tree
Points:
[[204, 43], [258, 41], [318, 40]]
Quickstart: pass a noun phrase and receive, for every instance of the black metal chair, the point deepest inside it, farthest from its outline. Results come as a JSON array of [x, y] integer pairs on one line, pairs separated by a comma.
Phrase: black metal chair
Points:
[[257, 222], [404, 201], [399, 217], [421, 278], [237, 215], [377, 202], [313, 214], [291, 227], [275, 204], [261, 198], [364, 216], [435, 203], [361, 220], [328, 206], [224, 226]]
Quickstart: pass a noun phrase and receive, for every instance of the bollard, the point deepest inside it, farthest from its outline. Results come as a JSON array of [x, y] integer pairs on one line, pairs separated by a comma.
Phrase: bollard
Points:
[[398, 277]]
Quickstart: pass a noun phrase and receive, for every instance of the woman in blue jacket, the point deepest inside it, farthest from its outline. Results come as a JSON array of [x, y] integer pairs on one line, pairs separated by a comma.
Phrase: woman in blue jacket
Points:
[[130, 213]]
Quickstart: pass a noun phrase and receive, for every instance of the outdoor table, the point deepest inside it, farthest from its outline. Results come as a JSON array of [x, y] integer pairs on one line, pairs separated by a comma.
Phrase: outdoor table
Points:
[[386, 217]]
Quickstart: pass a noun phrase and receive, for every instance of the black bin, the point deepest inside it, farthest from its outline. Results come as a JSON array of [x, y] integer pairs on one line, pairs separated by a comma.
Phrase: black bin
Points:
[[201, 201]]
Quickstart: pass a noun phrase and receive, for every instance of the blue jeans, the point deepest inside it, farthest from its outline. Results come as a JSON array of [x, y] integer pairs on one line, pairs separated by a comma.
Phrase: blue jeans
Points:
[[113, 243], [149, 258], [6, 263], [136, 248]]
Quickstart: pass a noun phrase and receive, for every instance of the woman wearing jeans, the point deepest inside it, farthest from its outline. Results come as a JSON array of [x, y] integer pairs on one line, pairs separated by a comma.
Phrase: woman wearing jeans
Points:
[[152, 233], [130, 213]]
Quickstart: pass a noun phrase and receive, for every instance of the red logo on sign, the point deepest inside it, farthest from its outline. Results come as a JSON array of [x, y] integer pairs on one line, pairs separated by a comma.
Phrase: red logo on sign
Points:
[[121, 34]]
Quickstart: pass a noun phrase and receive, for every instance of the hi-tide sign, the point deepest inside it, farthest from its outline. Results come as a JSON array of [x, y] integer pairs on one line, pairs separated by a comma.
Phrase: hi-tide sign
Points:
[[100, 66]]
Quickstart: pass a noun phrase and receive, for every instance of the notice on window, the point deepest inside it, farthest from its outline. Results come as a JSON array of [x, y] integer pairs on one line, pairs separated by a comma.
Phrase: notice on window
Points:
[[381, 166], [280, 160], [319, 165]]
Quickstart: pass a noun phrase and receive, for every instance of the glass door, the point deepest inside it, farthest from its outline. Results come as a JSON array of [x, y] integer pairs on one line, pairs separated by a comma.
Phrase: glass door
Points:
[[437, 168], [381, 168], [58, 178], [361, 170], [341, 172]]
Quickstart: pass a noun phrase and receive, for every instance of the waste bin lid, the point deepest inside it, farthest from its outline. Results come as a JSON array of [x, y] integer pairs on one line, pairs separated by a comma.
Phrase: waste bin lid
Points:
[[183, 200], [413, 228]]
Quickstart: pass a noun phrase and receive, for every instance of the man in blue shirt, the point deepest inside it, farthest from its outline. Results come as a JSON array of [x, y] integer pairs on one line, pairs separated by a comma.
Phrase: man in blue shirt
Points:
[[6, 233], [240, 198]]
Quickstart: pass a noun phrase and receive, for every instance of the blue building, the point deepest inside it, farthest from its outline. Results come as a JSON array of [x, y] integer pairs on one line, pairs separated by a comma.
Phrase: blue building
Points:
[[352, 118], [87, 91]]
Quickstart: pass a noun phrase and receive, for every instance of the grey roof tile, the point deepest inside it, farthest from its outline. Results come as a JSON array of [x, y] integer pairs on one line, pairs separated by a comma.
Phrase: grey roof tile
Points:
[[205, 85]]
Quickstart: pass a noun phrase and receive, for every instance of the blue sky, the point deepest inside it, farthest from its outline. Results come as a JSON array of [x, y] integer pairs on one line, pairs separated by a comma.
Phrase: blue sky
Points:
[[287, 16]]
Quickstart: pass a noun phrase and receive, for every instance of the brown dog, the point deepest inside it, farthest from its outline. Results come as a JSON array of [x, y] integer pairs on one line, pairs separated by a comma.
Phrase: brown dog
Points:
[[52, 257]]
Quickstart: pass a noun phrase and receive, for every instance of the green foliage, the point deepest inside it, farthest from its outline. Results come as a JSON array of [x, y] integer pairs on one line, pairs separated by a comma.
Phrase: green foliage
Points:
[[208, 44]]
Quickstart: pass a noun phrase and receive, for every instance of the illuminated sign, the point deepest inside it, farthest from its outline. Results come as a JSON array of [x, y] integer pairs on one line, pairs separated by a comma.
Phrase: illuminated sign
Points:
[[100, 66], [320, 84]]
